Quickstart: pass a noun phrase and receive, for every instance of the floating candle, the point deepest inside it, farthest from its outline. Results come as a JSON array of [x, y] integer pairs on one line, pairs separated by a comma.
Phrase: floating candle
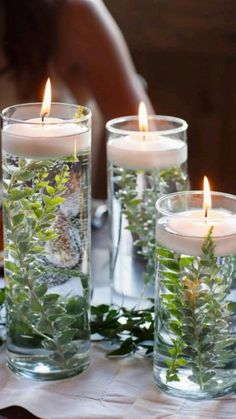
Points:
[[144, 149], [45, 137], [183, 232]]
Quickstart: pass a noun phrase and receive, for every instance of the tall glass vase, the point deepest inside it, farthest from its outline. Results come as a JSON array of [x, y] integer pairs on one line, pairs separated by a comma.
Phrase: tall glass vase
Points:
[[142, 166], [195, 331], [46, 205]]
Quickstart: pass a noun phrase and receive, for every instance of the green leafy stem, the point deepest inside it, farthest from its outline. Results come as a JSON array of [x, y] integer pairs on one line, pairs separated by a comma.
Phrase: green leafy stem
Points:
[[193, 309], [138, 207], [37, 317]]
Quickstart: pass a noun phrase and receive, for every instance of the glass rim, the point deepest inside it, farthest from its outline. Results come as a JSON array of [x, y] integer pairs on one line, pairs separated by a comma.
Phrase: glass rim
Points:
[[190, 193], [61, 104], [114, 130]]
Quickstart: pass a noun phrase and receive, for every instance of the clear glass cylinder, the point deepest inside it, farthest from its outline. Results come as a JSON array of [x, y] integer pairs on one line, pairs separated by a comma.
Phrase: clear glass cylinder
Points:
[[46, 215], [195, 320], [142, 166]]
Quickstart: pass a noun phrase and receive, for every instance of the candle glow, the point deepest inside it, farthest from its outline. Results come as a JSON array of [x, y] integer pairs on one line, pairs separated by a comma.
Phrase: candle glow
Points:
[[206, 196], [46, 106], [143, 117]]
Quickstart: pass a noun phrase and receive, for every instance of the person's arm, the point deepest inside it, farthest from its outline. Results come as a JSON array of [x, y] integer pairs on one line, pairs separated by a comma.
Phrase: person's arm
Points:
[[91, 43]]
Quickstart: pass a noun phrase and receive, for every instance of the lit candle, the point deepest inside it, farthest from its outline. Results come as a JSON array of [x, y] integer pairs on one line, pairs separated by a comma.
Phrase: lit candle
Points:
[[144, 149], [184, 232], [30, 138]]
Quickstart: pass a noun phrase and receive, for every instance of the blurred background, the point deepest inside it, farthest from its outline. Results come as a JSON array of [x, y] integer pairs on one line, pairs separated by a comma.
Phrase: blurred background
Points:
[[186, 52]]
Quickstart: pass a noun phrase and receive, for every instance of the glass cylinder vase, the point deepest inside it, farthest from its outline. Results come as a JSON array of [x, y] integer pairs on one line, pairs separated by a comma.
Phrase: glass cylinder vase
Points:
[[46, 214], [195, 331], [142, 166]]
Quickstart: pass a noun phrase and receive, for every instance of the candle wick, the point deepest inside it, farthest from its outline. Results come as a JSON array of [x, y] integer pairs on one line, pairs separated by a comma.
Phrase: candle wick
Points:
[[43, 116], [144, 132], [205, 215]]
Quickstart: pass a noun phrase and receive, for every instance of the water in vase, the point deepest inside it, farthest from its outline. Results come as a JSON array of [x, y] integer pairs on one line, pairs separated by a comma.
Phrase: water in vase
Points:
[[194, 351], [47, 255], [132, 198]]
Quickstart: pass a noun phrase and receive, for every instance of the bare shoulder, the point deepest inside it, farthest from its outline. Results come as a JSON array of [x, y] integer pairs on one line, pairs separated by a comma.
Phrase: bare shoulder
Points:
[[84, 25], [83, 16], [81, 8]]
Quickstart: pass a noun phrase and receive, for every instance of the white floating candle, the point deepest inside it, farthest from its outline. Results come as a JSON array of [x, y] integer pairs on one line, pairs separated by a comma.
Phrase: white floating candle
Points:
[[153, 152], [185, 231], [45, 137], [144, 149], [50, 139]]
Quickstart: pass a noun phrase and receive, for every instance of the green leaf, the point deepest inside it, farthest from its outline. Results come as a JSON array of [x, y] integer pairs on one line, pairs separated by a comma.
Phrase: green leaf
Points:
[[50, 189], [49, 344], [41, 185], [181, 362], [125, 348], [38, 212], [19, 279], [17, 194], [47, 199], [64, 322], [24, 246], [134, 202], [57, 310], [173, 377], [50, 298], [18, 218], [11, 266], [161, 251], [56, 201], [70, 351], [75, 305], [170, 264], [66, 336], [26, 175], [232, 306], [2, 295], [185, 261], [172, 276], [40, 290]]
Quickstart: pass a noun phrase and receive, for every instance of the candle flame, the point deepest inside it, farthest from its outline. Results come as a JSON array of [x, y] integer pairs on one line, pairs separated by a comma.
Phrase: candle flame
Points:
[[46, 106], [143, 117], [206, 196]]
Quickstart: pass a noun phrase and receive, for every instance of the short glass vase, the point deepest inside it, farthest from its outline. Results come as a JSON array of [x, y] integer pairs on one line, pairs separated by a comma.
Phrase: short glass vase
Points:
[[142, 166], [195, 320], [46, 208]]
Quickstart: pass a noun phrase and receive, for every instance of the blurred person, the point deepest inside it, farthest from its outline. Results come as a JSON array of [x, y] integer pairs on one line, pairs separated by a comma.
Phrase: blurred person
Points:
[[78, 44]]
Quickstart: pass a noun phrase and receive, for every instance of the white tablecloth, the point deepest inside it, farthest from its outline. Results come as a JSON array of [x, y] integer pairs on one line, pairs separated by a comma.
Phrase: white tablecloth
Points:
[[118, 388]]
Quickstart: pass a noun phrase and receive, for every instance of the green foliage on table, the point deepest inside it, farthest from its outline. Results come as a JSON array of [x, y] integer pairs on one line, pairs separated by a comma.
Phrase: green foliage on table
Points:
[[193, 306], [128, 330], [36, 316], [140, 210]]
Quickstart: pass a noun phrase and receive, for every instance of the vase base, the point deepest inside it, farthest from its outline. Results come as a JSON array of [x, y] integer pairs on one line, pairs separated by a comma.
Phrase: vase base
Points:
[[41, 368], [223, 384]]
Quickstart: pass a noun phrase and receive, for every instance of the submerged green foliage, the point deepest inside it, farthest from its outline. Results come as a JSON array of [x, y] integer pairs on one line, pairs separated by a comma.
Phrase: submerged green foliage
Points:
[[36, 316], [126, 330], [194, 310], [138, 192]]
